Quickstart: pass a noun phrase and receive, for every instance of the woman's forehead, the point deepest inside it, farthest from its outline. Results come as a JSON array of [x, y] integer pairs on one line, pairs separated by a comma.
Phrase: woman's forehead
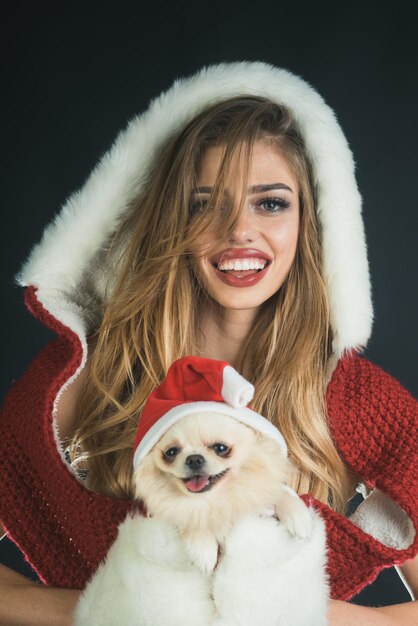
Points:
[[267, 165]]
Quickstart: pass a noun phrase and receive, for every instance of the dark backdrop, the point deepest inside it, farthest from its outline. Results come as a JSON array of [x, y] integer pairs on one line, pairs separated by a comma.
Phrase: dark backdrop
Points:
[[74, 74]]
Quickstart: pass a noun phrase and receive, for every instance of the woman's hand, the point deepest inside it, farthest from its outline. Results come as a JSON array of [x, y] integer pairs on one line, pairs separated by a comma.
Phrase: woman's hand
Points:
[[346, 614]]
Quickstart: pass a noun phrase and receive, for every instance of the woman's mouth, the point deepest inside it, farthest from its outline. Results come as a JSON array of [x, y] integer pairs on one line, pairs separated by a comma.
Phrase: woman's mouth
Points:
[[241, 267], [241, 272], [199, 484]]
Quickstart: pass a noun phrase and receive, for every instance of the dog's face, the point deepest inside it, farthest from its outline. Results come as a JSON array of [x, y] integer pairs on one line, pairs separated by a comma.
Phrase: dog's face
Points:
[[199, 451], [209, 461]]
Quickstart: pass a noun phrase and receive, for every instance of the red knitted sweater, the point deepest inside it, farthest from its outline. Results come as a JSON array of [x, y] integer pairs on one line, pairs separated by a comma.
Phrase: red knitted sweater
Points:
[[65, 530]]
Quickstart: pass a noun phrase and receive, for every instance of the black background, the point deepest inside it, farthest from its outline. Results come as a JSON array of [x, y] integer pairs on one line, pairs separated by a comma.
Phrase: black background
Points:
[[73, 74]]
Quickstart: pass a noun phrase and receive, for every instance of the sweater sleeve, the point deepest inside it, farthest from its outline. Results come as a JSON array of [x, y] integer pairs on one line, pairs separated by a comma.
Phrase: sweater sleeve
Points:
[[374, 423]]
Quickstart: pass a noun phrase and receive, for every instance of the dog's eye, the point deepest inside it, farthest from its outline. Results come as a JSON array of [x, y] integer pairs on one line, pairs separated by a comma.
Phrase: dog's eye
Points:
[[172, 452], [220, 448]]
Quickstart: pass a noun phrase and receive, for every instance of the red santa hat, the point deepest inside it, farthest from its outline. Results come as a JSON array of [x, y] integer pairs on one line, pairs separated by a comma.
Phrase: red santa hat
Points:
[[195, 384]]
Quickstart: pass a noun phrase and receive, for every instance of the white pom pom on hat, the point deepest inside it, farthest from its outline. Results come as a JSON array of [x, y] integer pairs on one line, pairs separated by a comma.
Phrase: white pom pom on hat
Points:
[[197, 384]]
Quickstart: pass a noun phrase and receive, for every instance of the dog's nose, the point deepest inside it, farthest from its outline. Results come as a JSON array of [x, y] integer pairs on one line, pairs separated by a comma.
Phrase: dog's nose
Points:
[[195, 461]]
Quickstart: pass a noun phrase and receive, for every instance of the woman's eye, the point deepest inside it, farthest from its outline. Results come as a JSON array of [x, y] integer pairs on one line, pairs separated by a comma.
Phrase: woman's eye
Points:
[[221, 448], [172, 452], [196, 206], [273, 205]]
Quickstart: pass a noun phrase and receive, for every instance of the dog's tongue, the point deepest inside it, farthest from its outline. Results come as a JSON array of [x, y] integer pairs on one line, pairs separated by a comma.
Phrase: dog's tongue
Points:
[[197, 483]]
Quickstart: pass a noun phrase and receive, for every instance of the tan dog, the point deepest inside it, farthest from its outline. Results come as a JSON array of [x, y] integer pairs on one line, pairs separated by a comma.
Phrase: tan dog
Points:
[[210, 470]]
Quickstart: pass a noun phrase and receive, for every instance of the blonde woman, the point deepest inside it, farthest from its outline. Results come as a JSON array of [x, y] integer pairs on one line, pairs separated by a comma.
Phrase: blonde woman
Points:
[[224, 222]]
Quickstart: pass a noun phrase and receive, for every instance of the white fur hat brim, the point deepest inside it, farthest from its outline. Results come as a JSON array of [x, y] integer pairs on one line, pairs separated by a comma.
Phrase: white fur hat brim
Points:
[[244, 415]]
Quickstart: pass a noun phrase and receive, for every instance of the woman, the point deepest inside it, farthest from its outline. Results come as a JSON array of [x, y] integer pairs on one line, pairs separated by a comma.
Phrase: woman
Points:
[[225, 222]]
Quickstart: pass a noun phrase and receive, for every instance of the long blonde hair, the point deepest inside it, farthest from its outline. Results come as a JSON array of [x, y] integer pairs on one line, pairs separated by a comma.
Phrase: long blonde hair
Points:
[[152, 314]]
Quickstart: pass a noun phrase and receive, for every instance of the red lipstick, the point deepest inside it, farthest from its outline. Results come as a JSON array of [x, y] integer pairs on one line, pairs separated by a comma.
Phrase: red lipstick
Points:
[[243, 280]]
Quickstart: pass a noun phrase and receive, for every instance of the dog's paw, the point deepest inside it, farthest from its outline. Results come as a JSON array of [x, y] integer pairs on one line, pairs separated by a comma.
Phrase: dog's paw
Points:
[[295, 516], [298, 523]]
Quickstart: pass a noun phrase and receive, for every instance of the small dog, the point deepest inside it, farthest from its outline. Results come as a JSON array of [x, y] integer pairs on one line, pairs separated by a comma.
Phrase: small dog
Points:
[[207, 472]]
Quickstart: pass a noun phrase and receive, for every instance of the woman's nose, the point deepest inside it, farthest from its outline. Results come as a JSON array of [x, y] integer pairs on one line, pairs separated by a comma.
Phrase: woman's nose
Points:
[[244, 230]]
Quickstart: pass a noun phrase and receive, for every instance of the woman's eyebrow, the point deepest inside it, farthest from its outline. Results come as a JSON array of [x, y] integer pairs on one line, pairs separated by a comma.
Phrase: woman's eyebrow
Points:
[[253, 189]]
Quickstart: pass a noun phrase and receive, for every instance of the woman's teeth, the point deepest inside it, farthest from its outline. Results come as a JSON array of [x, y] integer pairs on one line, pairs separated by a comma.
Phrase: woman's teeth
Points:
[[242, 264]]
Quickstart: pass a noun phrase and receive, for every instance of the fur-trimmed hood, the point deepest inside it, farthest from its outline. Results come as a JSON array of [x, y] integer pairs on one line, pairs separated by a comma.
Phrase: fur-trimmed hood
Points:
[[69, 252]]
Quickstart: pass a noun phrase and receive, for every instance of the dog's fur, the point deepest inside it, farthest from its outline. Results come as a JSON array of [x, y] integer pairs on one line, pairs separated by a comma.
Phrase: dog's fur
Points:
[[238, 550]]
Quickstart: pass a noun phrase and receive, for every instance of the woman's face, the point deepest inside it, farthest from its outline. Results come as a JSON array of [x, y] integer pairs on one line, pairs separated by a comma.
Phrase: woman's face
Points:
[[250, 265]]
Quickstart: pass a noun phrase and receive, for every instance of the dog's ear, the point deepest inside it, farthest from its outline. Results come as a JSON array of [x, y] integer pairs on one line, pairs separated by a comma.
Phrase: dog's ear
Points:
[[260, 437]]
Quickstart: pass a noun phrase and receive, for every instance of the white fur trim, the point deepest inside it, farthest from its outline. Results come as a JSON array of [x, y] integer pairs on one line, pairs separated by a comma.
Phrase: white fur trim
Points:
[[383, 519], [71, 315], [236, 390], [265, 573], [146, 580], [90, 216], [244, 415]]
